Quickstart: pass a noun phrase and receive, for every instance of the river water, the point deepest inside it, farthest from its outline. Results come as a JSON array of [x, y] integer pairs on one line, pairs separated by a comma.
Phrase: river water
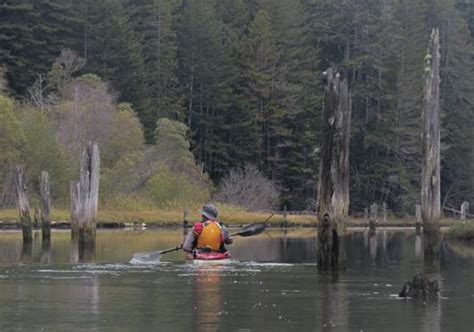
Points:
[[273, 285]]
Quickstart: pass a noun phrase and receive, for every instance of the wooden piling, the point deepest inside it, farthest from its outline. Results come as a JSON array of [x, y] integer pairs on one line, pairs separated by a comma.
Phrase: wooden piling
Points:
[[366, 217], [418, 217], [464, 210], [36, 218], [333, 184], [185, 222], [384, 213], [373, 217], [285, 217], [430, 184], [23, 204], [45, 207], [85, 199]]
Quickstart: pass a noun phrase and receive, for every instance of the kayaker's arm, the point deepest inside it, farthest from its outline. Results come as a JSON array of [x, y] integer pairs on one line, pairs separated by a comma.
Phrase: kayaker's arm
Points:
[[189, 242], [227, 237]]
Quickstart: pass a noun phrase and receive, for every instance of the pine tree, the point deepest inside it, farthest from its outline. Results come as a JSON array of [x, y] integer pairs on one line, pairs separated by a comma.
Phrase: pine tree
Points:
[[18, 44], [154, 22], [113, 52]]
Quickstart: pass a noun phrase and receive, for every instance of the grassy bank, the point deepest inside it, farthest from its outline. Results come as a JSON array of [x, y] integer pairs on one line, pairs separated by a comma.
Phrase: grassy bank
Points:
[[230, 215], [461, 231]]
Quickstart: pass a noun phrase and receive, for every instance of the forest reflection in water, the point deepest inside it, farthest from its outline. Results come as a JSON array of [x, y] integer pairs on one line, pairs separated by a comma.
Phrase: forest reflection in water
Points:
[[272, 284]]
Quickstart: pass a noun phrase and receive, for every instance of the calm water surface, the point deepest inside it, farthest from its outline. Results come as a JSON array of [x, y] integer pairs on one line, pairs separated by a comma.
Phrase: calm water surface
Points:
[[273, 285]]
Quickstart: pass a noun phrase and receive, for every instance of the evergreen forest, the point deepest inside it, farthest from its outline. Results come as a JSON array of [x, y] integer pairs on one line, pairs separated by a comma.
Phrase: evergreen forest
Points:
[[181, 93]]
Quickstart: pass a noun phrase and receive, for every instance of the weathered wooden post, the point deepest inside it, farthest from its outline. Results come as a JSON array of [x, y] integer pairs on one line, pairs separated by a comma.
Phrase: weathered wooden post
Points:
[[333, 184], [84, 201], [45, 207], [285, 217], [23, 204], [373, 218], [366, 217], [430, 184], [418, 217], [464, 210], [36, 218], [185, 222], [384, 213]]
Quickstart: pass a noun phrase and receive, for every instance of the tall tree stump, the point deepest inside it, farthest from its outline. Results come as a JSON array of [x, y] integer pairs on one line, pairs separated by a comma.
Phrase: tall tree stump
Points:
[[45, 207], [418, 217], [373, 218], [464, 210], [333, 185], [84, 201], [430, 184], [23, 205]]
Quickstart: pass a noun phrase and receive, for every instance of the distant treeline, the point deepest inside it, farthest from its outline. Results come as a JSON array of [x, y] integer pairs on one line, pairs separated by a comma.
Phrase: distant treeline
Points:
[[246, 78]]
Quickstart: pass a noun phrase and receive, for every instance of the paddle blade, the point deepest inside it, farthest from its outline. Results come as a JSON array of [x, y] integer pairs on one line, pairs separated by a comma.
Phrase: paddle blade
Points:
[[252, 229], [150, 257]]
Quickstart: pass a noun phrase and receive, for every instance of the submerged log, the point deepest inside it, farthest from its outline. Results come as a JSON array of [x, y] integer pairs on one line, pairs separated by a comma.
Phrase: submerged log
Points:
[[430, 184], [45, 207], [333, 185], [23, 204], [84, 200]]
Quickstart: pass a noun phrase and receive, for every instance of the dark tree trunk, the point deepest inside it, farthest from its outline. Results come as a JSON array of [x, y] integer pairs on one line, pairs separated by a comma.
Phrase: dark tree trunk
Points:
[[333, 186], [23, 205], [430, 190]]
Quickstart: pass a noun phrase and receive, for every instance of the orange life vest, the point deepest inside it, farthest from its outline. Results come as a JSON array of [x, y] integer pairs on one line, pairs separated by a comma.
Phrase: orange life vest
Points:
[[210, 236]]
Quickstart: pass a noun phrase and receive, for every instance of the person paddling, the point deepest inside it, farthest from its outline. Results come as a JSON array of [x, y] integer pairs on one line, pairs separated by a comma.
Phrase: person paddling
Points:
[[209, 235]]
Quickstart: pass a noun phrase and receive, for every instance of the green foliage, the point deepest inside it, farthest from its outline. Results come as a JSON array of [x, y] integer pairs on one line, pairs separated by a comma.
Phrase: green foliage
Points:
[[41, 152], [170, 190], [125, 136], [12, 137], [462, 231]]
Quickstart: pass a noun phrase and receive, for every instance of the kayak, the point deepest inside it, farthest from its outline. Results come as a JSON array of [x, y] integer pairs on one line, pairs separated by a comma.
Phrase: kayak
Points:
[[201, 257]]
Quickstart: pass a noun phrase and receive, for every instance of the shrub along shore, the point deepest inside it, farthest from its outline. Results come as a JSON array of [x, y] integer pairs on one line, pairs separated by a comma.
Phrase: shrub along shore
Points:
[[232, 217]]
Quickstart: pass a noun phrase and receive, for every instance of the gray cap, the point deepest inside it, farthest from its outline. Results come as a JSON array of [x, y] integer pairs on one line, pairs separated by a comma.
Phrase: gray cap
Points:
[[209, 211]]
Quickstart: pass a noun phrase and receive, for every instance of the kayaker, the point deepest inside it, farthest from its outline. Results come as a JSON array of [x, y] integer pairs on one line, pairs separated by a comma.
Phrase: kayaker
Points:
[[209, 235]]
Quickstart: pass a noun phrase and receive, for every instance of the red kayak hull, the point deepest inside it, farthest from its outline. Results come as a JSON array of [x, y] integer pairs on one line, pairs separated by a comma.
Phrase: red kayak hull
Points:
[[209, 256]]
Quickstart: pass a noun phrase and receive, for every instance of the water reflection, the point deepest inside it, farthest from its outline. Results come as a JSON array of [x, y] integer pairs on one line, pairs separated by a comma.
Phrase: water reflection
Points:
[[207, 299], [334, 303], [46, 251], [418, 245], [26, 253], [269, 289]]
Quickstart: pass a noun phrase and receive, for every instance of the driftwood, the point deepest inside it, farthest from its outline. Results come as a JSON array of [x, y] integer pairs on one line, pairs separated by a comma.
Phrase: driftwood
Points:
[[84, 200], [45, 207], [430, 184], [23, 204], [333, 184]]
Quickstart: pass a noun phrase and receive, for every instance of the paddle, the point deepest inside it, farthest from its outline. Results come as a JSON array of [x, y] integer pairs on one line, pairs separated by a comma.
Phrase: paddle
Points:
[[154, 256]]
